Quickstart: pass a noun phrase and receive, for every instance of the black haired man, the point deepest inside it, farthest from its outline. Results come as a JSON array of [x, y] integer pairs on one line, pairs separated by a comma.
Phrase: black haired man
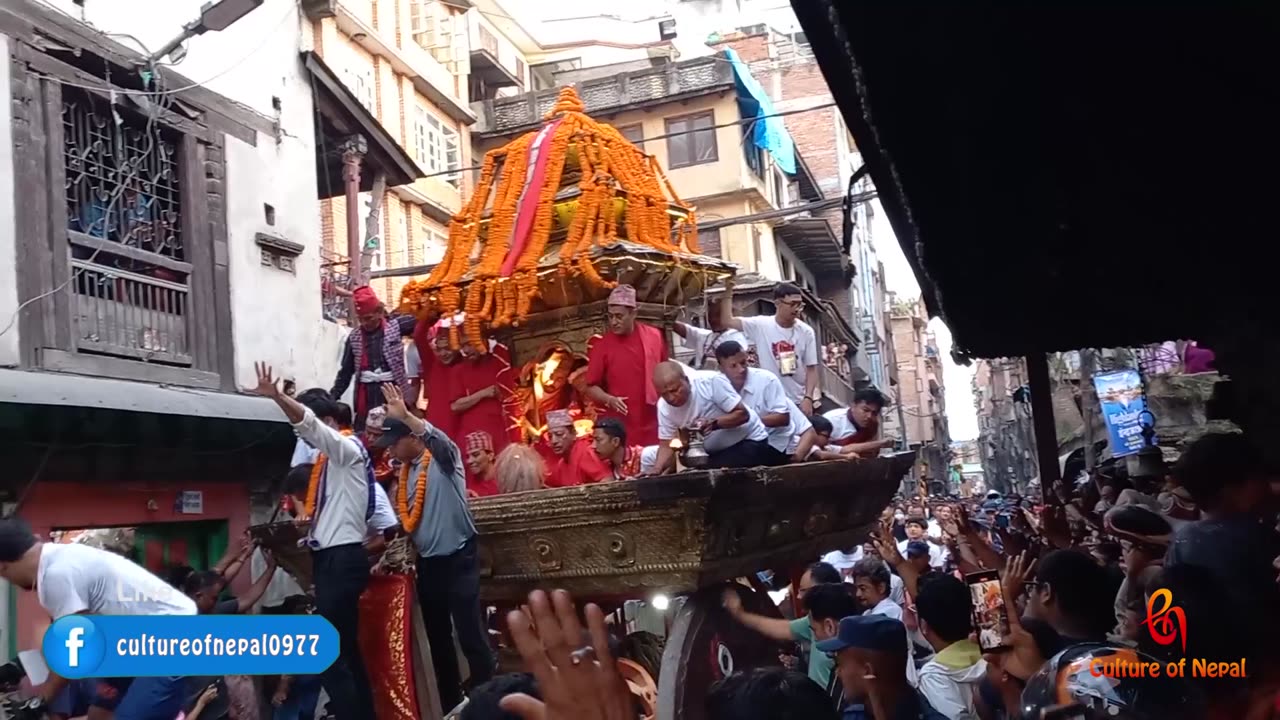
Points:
[[784, 344], [857, 428], [72, 579], [344, 502]]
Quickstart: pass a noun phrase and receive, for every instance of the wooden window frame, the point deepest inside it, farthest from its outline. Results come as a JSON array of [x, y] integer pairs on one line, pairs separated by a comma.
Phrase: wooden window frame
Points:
[[639, 127], [693, 155], [47, 329]]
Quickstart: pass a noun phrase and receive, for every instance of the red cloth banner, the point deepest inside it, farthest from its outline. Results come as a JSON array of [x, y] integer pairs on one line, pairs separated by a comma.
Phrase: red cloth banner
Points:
[[386, 641]]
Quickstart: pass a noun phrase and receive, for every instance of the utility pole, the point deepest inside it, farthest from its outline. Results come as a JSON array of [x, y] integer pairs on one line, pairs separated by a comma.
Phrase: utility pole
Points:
[[1088, 406]]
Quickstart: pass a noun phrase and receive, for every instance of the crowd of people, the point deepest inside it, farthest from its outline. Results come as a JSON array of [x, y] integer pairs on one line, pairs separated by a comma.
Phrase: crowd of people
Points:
[[891, 628], [951, 608], [750, 396]]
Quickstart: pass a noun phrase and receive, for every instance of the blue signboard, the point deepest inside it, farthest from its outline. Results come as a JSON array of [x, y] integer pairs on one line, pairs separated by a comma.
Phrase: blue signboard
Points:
[[1123, 407]]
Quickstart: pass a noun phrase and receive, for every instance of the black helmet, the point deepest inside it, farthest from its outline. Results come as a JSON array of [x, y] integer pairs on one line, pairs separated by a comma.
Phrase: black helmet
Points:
[[1067, 687]]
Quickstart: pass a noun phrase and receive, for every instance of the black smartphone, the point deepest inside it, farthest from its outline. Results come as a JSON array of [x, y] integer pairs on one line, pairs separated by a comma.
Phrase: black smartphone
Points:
[[990, 612], [1002, 521]]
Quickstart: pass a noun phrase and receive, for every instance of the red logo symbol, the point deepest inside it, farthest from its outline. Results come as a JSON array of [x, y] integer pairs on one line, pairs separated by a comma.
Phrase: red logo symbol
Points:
[[1161, 623]]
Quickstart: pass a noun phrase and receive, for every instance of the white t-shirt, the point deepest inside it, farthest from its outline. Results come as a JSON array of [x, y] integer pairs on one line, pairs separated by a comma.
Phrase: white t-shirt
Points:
[[303, 454], [704, 342], [75, 578], [412, 362], [888, 608], [710, 396], [841, 426], [346, 484], [785, 352], [937, 554], [648, 459], [762, 393], [383, 516], [800, 425]]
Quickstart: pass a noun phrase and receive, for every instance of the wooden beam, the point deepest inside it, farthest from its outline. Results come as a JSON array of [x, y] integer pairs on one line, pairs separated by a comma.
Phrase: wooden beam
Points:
[[1045, 430]]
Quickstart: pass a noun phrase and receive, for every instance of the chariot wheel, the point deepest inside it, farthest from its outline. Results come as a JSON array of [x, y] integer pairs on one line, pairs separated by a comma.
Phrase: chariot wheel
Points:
[[705, 645], [643, 689]]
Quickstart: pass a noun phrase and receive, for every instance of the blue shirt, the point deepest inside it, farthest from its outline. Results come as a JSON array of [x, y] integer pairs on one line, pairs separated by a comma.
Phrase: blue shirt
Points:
[[446, 523], [909, 709]]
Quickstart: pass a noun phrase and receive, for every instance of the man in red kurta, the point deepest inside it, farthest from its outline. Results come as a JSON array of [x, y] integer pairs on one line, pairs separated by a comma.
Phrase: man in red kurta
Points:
[[483, 396], [440, 371], [482, 476], [620, 368], [577, 462]]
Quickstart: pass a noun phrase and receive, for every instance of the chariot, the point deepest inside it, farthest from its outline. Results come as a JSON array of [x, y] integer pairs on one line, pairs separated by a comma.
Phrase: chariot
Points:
[[559, 217]]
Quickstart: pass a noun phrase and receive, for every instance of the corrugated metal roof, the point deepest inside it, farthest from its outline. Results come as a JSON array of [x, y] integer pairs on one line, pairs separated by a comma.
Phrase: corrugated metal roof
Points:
[[45, 388]]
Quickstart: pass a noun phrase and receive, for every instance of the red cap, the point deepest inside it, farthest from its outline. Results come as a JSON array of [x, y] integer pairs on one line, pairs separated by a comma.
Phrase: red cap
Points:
[[366, 300]]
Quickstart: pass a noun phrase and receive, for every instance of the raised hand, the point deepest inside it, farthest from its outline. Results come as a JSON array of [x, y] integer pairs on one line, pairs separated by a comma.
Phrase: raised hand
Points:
[[577, 683], [395, 402], [266, 386]]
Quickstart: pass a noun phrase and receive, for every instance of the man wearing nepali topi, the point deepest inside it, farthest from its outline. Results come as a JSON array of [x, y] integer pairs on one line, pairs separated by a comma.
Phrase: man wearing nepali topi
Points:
[[373, 354], [620, 367]]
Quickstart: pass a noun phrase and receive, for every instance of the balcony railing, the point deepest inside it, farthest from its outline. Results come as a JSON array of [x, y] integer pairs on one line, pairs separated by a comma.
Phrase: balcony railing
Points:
[[335, 286], [836, 388], [629, 90]]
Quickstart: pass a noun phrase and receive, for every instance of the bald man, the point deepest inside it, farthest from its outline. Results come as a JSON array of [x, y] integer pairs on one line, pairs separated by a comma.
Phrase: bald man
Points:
[[700, 401]]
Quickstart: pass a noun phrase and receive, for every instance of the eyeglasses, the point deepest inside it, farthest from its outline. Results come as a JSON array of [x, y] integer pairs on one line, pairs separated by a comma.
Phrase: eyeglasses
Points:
[[795, 304]]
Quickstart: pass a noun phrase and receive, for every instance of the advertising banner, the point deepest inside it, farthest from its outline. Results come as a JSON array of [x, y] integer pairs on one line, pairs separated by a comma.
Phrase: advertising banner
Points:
[[1123, 406]]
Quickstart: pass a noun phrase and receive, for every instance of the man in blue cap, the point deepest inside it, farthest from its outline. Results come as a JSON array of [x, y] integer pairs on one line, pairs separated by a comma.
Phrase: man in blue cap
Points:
[[871, 658]]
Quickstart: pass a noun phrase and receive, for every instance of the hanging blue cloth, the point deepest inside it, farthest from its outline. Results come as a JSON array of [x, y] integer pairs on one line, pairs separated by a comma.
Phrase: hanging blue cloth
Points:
[[769, 133]]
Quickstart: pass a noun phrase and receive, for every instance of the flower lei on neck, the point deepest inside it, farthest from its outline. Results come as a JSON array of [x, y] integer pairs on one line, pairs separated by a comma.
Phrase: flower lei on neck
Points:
[[410, 516], [313, 487]]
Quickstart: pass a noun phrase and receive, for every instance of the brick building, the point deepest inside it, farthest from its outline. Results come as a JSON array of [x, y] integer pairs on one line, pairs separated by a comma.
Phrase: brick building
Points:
[[921, 392], [785, 65]]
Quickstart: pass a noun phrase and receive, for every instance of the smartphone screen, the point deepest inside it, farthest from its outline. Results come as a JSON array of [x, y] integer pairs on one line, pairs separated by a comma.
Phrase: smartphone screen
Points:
[[990, 614]]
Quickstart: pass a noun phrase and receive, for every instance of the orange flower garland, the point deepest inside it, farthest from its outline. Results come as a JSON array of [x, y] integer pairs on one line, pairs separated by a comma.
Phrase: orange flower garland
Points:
[[613, 173], [313, 485], [411, 516]]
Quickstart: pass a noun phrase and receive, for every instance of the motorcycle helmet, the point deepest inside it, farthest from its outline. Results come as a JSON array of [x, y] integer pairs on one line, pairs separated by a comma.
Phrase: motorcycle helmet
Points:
[[1067, 687]]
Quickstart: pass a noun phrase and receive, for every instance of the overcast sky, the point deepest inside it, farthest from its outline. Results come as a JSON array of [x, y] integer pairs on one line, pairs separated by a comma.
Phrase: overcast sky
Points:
[[956, 379]]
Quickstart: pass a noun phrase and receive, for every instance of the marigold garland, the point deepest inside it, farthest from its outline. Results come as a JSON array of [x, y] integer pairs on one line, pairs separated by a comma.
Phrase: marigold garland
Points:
[[621, 193], [410, 517], [313, 485]]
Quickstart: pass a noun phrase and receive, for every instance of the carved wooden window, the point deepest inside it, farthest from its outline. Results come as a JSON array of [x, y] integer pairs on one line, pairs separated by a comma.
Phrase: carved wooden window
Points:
[[121, 237], [130, 275]]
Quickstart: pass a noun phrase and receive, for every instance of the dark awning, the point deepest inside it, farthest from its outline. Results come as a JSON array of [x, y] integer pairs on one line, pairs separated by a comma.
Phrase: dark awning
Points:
[[816, 245], [340, 115], [485, 63], [1040, 161]]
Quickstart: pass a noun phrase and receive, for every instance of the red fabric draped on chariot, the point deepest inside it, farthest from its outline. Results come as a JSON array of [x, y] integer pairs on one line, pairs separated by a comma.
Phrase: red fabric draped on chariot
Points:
[[386, 641]]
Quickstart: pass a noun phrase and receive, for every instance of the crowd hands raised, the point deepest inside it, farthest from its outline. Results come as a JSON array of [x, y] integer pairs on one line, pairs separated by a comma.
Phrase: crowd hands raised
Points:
[[897, 628]]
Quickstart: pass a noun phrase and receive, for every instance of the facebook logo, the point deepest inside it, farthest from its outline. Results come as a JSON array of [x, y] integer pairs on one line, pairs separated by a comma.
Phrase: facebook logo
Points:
[[74, 647]]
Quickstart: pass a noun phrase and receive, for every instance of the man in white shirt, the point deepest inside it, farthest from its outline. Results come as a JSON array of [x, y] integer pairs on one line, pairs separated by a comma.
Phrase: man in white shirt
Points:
[[791, 434], [918, 529], [76, 579], [704, 342], [856, 429], [784, 344], [345, 501], [871, 586], [697, 401]]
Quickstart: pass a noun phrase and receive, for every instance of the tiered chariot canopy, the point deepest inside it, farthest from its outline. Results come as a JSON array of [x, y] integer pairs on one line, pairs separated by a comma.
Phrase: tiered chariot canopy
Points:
[[560, 216]]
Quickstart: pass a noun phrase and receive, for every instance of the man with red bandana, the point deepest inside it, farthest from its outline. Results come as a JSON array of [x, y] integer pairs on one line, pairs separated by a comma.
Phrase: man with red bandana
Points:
[[577, 462], [482, 474], [620, 368], [373, 354]]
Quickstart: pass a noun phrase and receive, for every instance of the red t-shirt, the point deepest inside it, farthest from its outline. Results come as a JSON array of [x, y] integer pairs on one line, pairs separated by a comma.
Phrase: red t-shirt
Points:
[[581, 467]]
